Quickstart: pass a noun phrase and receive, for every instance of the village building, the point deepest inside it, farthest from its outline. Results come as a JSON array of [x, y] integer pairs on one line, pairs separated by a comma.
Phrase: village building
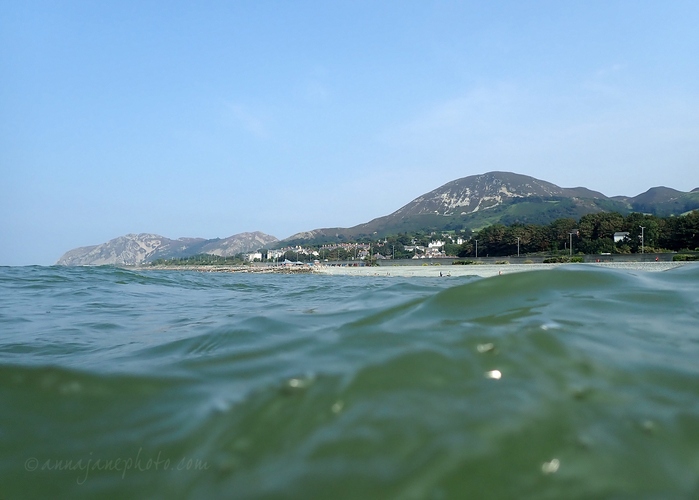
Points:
[[251, 257], [619, 236]]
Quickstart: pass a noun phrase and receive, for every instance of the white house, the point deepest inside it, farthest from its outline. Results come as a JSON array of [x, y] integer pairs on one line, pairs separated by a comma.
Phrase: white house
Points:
[[252, 256], [274, 254], [414, 248], [620, 236]]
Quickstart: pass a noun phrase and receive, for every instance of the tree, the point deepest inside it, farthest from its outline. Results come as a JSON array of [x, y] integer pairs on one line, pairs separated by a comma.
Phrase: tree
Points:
[[559, 231], [452, 249], [643, 230], [679, 233], [491, 240]]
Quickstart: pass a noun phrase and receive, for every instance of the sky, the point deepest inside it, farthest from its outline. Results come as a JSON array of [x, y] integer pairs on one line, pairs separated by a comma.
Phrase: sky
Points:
[[208, 119]]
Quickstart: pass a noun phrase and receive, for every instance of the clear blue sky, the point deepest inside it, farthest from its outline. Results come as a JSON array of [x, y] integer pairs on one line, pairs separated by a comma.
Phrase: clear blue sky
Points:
[[213, 118]]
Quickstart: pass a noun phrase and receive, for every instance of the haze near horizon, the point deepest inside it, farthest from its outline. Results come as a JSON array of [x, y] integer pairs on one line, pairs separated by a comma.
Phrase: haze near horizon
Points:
[[214, 119]]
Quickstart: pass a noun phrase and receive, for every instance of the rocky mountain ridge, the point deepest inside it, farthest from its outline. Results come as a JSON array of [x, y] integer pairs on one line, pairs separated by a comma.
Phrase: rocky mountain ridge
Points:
[[480, 192], [135, 249]]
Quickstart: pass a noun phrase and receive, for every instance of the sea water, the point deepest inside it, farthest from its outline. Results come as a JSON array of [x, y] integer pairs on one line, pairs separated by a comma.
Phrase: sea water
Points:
[[575, 382]]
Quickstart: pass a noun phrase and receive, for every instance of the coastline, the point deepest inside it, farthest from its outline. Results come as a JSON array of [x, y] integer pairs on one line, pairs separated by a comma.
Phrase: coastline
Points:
[[480, 270], [485, 270]]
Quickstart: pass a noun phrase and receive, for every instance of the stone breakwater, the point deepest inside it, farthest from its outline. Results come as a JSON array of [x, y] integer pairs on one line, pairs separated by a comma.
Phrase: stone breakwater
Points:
[[232, 269]]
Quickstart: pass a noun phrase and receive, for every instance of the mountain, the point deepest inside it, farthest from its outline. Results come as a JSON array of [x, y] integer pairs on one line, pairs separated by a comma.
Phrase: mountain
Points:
[[134, 249], [663, 201], [501, 197], [239, 243], [472, 202], [480, 192]]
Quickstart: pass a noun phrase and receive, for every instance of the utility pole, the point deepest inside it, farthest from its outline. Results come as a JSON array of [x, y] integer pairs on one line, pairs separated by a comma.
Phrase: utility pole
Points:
[[575, 231], [476, 248], [517, 246], [570, 247], [642, 228]]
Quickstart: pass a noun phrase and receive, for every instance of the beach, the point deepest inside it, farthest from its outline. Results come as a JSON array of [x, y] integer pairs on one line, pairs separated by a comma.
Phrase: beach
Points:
[[482, 270]]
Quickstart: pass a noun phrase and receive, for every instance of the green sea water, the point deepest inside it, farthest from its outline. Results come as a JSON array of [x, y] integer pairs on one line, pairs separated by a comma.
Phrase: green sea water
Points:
[[575, 382]]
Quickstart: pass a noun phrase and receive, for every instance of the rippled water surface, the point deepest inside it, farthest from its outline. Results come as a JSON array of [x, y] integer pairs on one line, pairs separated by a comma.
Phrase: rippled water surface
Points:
[[576, 382]]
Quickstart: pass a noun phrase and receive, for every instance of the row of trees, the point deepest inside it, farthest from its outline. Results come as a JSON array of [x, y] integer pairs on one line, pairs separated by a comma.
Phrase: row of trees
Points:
[[204, 259], [592, 234]]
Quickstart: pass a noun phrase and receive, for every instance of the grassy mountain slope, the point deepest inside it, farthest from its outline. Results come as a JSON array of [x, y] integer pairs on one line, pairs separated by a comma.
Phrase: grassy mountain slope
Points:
[[475, 202]]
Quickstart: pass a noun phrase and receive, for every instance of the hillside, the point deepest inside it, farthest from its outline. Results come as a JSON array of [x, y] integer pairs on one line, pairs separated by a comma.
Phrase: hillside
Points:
[[134, 249], [475, 202], [663, 201]]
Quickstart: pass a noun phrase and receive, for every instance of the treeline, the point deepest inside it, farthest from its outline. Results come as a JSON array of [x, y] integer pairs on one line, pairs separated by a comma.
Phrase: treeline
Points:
[[591, 234], [203, 259]]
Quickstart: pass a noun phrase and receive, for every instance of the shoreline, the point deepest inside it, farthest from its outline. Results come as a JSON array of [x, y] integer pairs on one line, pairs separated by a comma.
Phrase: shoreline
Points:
[[487, 270], [480, 270]]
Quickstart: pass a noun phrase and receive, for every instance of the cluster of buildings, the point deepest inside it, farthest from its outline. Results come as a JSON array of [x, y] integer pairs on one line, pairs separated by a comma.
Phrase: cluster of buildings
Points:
[[357, 251], [433, 250], [277, 254]]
